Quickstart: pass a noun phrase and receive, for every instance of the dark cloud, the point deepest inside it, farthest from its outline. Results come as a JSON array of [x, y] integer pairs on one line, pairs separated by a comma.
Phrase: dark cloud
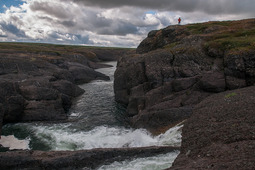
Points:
[[13, 30], [3, 36], [207, 6], [118, 28], [107, 26], [95, 22], [48, 19], [50, 8], [68, 23]]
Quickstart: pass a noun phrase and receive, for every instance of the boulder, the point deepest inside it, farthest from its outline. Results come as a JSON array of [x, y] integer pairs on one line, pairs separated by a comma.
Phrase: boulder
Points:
[[84, 74], [38, 93], [157, 119], [43, 110], [67, 88]]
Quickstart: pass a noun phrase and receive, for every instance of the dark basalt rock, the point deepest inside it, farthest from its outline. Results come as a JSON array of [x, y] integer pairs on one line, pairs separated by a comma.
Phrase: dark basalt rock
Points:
[[87, 159], [188, 72], [40, 86], [178, 67], [84, 74], [219, 134]]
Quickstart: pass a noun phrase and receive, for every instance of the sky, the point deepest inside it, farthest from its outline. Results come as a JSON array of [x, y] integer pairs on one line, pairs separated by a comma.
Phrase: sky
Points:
[[115, 23]]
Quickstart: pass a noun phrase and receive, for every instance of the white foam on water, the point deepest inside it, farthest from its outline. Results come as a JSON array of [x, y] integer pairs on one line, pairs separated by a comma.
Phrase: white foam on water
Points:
[[171, 137], [158, 162], [13, 143], [62, 138], [74, 114]]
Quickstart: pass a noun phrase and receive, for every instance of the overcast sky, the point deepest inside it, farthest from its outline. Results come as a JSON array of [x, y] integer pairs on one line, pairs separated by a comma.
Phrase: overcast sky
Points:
[[122, 23]]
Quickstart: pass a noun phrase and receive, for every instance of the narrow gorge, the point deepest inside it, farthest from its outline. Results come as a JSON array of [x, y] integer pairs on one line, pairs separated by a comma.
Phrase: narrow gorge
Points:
[[187, 91]]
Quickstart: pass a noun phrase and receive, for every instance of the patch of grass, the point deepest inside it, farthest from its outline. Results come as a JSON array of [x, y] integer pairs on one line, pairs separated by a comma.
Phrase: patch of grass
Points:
[[32, 59], [199, 28], [53, 49], [243, 40], [230, 95], [169, 46], [41, 47]]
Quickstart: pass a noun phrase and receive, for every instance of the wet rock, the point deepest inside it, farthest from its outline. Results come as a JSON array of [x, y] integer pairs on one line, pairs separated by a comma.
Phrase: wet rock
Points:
[[156, 119], [87, 159], [83, 74], [67, 88]]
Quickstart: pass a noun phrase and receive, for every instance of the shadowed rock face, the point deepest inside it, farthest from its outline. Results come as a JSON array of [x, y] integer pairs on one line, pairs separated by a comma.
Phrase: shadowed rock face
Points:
[[177, 67]]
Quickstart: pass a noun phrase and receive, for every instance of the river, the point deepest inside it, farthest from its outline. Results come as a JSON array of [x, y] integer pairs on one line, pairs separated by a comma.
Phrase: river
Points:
[[96, 121]]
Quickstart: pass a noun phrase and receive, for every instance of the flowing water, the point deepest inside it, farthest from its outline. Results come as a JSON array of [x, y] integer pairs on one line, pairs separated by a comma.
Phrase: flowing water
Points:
[[96, 121]]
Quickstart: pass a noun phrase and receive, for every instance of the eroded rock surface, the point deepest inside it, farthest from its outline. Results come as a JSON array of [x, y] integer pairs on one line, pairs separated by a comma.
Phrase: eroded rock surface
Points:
[[220, 133], [39, 81], [177, 67], [86, 159]]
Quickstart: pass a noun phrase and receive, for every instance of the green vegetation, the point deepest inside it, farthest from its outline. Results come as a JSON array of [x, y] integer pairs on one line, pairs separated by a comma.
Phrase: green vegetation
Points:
[[234, 41], [53, 52], [231, 36], [168, 46], [49, 48], [230, 95], [199, 28]]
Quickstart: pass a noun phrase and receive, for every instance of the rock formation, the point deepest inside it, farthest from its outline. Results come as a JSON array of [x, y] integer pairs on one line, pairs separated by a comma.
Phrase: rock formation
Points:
[[220, 133], [86, 159], [177, 67], [204, 72], [39, 81]]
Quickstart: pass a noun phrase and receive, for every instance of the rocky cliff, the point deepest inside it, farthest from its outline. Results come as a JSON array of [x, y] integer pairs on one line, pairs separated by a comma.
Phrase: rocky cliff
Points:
[[39, 81], [204, 73], [177, 67]]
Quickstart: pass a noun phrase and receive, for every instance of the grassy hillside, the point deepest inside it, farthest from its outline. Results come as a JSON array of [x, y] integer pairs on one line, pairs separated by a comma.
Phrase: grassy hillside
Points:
[[55, 48], [232, 36]]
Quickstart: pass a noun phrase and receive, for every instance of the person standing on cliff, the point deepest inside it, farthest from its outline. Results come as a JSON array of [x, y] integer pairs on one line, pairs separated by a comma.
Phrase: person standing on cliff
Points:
[[179, 20]]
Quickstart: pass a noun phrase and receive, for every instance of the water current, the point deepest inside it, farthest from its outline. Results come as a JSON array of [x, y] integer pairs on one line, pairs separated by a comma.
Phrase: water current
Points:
[[96, 121]]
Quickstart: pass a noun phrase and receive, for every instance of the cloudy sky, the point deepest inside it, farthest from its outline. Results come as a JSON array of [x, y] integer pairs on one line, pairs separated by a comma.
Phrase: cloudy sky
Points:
[[122, 23]]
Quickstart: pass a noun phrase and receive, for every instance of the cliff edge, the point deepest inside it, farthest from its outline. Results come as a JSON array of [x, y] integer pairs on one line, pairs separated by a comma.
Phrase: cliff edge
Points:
[[177, 67], [203, 74]]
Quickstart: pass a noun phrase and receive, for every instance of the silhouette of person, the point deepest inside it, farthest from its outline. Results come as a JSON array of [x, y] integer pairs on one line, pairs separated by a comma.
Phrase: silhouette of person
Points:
[[179, 20]]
